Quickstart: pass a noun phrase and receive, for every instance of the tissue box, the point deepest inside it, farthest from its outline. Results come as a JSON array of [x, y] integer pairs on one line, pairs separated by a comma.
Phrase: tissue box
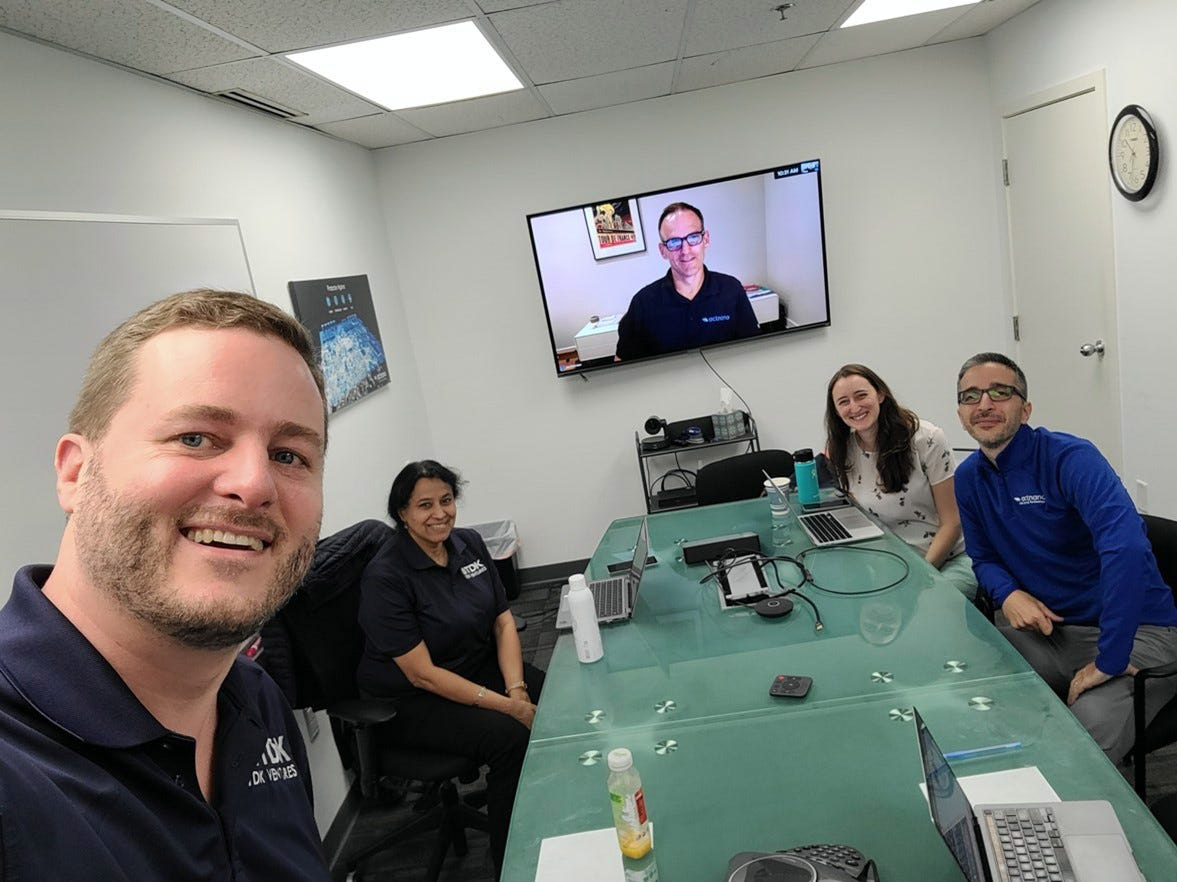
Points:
[[728, 425]]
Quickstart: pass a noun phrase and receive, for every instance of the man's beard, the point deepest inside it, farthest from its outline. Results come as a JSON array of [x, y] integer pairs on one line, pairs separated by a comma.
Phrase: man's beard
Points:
[[123, 555], [1007, 432]]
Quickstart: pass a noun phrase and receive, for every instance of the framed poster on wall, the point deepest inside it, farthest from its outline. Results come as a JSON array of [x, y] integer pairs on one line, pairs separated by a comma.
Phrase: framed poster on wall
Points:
[[340, 316], [615, 228]]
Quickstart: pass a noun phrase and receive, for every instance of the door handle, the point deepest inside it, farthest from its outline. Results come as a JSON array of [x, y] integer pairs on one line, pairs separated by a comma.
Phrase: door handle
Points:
[[1089, 349]]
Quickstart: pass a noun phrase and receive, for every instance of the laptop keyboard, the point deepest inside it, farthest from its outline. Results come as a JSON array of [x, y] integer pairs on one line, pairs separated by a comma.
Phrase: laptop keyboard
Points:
[[610, 597], [826, 527], [1029, 845]]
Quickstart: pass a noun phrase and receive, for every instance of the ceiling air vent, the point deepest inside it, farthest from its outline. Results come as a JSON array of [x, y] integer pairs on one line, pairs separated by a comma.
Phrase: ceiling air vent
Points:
[[257, 102]]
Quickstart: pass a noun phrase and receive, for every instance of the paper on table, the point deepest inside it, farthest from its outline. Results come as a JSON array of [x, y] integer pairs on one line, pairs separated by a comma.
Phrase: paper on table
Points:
[[1009, 785], [592, 856]]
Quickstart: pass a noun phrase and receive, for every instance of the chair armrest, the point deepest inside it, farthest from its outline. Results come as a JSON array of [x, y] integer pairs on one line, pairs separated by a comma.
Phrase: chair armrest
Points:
[[363, 711], [1155, 672], [360, 716]]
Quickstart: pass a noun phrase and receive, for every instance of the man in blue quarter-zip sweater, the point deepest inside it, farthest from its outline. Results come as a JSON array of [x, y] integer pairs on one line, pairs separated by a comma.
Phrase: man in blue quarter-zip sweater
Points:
[[1058, 545]]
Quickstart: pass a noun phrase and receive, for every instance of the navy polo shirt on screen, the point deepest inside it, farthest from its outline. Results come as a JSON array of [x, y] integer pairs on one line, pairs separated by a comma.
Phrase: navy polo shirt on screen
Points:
[[93, 787], [660, 320], [406, 598]]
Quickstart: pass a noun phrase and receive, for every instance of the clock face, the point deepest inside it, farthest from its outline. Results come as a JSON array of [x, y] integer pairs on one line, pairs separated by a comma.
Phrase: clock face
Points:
[[1133, 154]]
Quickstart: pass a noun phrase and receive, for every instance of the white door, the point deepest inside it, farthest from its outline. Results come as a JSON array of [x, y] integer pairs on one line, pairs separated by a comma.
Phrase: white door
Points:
[[1059, 204]]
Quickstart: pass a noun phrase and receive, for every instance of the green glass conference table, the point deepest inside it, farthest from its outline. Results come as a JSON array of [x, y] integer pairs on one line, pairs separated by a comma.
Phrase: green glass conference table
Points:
[[684, 685]]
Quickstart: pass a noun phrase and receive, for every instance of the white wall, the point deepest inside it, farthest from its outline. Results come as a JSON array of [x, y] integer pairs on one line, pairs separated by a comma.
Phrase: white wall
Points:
[[83, 136], [795, 268], [1059, 40], [907, 144]]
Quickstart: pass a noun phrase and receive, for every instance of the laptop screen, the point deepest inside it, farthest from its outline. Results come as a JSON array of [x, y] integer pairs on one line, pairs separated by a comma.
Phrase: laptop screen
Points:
[[951, 810], [640, 551]]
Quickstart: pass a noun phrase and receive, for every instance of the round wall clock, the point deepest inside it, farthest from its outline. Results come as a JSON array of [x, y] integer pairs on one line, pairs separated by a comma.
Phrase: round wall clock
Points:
[[1134, 153]]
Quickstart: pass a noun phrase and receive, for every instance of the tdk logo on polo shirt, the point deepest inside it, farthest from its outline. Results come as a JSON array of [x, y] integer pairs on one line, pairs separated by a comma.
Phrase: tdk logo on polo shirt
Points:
[[708, 319], [1030, 499], [275, 764], [475, 569]]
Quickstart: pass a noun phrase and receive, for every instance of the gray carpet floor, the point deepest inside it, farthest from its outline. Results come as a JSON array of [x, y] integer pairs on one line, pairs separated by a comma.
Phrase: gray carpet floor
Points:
[[537, 605]]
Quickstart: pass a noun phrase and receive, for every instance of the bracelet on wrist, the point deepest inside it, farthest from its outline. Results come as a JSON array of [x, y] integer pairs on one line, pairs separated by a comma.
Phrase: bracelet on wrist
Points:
[[520, 685]]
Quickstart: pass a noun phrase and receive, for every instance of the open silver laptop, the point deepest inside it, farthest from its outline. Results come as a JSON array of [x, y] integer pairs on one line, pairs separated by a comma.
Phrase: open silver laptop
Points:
[[837, 523], [614, 597], [1077, 841]]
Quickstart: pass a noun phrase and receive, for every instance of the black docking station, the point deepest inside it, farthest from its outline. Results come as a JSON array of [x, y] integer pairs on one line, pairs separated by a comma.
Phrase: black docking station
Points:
[[701, 550]]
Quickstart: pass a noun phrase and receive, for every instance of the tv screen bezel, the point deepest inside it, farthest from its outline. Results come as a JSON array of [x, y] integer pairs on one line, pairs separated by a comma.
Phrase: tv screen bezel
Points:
[[772, 335]]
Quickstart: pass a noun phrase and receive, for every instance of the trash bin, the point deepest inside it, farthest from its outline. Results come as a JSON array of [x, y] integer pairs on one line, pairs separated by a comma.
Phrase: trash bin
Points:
[[502, 541]]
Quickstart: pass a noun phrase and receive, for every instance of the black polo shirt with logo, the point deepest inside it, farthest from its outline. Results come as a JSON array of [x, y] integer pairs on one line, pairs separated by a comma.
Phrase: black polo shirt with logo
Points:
[[406, 598], [660, 320], [93, 787]]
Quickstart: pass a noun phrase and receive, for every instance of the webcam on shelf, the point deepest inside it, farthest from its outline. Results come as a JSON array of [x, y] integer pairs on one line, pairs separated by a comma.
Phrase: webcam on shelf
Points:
[[653, 426]]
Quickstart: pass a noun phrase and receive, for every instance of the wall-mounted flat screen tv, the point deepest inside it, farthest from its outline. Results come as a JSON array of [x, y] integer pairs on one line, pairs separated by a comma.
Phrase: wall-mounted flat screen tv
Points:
[[618, 287]]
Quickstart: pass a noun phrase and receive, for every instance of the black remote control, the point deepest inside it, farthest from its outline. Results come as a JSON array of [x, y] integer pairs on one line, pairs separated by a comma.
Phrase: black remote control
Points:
[[789, 686]]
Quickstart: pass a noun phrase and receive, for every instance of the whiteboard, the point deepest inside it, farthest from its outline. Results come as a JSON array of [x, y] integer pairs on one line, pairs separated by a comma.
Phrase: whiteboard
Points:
[[68, 280]]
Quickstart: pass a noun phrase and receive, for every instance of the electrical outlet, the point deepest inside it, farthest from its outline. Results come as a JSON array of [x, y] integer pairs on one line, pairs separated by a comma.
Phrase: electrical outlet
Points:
[[1142, 496]]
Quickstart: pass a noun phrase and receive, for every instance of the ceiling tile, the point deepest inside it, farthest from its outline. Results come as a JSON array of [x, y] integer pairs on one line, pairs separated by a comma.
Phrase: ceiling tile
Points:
[[285, 25], [982, 18], [844, 44], [381, 130], [129, 32], [608, 89], [501, 5], [284, 83], [716, 25], [570, 39], [477, 113], [764, 60]]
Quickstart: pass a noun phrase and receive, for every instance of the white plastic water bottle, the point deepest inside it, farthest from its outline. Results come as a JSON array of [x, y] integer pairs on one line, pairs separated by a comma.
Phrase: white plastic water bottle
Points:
[[586, 634]]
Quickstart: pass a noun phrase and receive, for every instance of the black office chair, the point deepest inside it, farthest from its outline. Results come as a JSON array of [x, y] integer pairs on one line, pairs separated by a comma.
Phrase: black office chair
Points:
[[740, 477], [1162, 731], [312, 648], [1165, 811]]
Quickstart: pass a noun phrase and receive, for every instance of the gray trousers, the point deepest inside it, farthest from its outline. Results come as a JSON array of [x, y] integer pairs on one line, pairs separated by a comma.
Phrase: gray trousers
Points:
[[1106, 710]]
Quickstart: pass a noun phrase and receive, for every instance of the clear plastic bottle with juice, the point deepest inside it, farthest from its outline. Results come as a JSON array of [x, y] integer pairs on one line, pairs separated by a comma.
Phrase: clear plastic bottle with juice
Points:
[[630, 818]]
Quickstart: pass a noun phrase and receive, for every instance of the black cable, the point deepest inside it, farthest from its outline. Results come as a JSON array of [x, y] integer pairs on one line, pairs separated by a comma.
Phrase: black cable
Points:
[[679, 468], [747, 409], [684, 475], [729, 557], [841, 548]]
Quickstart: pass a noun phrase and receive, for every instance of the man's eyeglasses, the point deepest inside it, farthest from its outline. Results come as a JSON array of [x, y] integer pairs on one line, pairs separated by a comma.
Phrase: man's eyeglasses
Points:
[[997, 392], [674, 243]]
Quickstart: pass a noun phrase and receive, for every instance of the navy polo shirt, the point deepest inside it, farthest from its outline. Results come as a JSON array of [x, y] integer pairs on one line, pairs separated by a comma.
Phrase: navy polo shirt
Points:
[[661, 320], [406, 598], [93, 787]]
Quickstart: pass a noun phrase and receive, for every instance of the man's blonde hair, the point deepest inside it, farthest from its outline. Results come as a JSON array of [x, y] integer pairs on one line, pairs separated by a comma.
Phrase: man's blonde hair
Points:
[[110, 375]]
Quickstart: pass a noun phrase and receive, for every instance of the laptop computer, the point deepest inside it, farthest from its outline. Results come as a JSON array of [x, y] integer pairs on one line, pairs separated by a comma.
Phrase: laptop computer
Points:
[[1077, 841], [615, 597], [837, 522]]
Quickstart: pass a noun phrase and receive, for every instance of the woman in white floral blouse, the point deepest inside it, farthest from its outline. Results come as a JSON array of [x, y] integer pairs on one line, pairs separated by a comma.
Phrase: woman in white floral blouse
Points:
[[897, 467]]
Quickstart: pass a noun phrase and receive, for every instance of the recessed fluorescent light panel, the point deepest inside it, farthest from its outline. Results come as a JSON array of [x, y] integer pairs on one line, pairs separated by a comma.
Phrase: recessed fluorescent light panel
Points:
[[880, 10], [415, 69]]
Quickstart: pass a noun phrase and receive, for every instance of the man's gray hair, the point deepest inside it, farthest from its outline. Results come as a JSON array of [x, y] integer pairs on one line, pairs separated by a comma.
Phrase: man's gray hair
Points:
[[996, 358]]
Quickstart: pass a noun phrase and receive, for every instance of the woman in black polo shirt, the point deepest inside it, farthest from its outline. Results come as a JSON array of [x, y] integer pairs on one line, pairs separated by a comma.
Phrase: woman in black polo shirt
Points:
[[440, 638]]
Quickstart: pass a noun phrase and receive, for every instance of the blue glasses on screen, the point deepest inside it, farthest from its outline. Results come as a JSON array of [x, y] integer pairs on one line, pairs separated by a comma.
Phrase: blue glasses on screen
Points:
[[674, 243]]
